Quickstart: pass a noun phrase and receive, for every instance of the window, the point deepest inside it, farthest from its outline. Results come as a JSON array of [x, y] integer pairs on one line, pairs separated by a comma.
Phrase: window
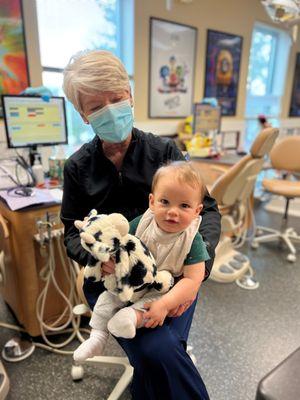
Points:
[[266, 76], [68, 26]]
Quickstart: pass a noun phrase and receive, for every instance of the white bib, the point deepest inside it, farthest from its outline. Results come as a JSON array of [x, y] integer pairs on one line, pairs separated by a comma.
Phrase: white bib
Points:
[[168, 249]]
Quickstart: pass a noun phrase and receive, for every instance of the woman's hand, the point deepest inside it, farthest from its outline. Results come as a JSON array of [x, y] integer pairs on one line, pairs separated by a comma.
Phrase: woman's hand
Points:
[[178, 311], [108, 267], [156, 314]]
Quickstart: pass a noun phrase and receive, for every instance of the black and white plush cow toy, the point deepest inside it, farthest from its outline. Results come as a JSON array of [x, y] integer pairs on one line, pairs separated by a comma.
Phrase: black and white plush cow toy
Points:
[[106, 236]]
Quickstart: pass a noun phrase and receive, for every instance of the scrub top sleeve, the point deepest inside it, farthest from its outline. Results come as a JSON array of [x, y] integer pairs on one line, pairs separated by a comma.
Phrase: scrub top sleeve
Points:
[[71, 210]]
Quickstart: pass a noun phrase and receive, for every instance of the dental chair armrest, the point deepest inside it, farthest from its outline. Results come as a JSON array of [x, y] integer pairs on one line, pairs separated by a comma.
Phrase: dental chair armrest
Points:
[[220, 169], [4, 226]]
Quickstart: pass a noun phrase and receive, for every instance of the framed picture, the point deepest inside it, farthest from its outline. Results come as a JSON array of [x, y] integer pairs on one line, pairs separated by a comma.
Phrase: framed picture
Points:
[[223, 56], [14, 76], [172, 68], [295, 99], [206, 118]]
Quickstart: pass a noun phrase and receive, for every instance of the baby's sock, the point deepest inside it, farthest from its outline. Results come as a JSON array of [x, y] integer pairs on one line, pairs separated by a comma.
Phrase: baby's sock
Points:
[[123, 323], [93, 346]]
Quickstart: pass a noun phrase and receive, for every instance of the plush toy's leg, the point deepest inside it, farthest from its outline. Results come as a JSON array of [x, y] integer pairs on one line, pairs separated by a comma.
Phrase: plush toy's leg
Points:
[[93, 346], [123, 323]]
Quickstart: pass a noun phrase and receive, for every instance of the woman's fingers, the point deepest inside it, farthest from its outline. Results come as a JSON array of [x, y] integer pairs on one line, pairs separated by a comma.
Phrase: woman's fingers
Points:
[[108, 267], [176, 312], [181, 310]]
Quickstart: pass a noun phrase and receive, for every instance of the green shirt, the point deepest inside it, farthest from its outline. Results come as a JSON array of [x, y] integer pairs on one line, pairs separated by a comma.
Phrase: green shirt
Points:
[[198, 252]]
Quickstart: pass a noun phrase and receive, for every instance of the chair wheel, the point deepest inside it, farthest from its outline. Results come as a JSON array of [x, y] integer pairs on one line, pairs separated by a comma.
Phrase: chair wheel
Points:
[[254, 245], [77, 372], [291, 258]]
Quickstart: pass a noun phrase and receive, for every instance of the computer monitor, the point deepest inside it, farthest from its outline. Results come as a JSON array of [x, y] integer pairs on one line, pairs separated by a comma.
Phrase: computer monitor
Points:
[[31, 121]]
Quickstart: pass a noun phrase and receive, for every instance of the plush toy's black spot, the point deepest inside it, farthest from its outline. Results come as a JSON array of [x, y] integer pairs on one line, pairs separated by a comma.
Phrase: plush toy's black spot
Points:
[[125, 281], [154, 269], [137, 274], [97, 235], [146, 250], [130, 246], [116, 242], [157, 286], [89, 245], [92, 261], [91, 278], [91, 219], [117, 256], [146, 285]]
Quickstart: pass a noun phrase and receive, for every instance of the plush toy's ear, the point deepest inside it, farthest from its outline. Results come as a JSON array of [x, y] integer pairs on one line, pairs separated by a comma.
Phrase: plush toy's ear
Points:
[[79, 224], [120, 223], [87, 237]]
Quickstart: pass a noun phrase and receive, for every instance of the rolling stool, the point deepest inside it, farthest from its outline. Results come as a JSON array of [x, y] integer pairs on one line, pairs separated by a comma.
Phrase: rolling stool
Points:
[[283, 382]]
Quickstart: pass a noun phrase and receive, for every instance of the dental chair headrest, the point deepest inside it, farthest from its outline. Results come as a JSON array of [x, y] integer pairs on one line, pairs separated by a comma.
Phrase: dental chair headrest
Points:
[[264, 142]]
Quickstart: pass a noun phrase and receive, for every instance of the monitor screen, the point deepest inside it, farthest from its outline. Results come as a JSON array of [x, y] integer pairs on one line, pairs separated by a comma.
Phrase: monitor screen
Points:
[[31, 121]]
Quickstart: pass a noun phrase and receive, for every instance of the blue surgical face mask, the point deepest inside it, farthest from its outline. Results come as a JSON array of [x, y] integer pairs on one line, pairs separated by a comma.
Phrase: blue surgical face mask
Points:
[[113, 123]]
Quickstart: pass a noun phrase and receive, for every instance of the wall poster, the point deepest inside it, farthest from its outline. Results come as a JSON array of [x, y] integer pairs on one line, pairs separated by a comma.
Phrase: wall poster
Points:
[[14, 77], [223, 56], [172, 67], [295, 99]]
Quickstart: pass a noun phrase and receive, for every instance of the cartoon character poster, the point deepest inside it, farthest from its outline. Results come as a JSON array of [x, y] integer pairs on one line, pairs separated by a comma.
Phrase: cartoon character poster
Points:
[[223, 56], [172, 59], [13, 62], [295, 100]]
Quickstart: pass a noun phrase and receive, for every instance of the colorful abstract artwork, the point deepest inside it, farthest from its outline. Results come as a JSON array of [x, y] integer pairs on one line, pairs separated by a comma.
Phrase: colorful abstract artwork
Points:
[[13, 62], [295, 99], [223, 56], [172, 59]]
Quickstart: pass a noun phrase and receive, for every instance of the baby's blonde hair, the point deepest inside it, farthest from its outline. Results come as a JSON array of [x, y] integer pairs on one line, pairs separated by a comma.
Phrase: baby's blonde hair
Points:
[[185, 171], [92, 72]]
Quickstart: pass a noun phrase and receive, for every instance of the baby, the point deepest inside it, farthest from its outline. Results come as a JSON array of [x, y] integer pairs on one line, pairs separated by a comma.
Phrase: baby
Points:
[[169, 228]]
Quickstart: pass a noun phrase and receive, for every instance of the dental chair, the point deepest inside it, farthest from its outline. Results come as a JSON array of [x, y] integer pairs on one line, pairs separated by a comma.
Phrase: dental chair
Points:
[[77, 370], [233, 193], [285, 158]]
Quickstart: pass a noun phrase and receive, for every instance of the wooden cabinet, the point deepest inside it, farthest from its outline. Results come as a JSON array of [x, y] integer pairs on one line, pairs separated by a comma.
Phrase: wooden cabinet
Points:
[[25, 266]]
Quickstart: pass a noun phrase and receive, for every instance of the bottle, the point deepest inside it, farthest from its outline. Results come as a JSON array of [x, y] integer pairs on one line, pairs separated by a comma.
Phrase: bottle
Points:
[[53, 164], [38, 171], [61, 159]]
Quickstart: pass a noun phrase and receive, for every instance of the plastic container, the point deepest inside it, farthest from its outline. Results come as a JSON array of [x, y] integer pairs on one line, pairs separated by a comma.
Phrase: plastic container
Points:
[[56, 164], [38, 171]]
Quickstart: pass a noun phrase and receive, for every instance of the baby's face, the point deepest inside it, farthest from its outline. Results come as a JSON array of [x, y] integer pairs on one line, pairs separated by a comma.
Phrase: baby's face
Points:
[[174, 204]]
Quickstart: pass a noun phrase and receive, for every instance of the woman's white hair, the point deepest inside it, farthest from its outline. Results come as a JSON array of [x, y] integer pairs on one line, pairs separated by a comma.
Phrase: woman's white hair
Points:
[[91, 72]]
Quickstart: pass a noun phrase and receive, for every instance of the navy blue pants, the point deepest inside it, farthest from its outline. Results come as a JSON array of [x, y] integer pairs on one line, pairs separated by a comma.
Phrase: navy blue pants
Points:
[[162, 368]]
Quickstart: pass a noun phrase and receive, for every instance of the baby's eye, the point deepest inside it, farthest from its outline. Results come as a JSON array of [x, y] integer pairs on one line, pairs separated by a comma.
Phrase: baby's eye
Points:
[[185, 205], [164, 201]]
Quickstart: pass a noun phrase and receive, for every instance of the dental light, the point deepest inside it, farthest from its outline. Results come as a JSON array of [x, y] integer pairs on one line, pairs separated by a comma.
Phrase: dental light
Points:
[[283, 11]]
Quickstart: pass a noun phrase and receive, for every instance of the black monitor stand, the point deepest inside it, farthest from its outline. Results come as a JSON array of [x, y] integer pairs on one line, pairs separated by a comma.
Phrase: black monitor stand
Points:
[[32, 153]]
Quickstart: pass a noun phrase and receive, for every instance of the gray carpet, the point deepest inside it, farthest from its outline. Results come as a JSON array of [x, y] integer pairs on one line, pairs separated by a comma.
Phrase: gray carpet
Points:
[[238, 336]]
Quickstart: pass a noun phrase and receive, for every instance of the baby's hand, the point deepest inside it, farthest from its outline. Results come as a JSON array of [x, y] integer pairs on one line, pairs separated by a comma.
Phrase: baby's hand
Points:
[[156, 314]]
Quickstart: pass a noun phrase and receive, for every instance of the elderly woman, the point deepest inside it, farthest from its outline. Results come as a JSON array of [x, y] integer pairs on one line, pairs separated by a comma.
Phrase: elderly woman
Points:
[[113, 173]]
